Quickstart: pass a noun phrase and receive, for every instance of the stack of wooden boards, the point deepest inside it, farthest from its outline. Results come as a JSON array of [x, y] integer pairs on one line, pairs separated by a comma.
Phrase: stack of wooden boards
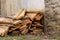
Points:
[[24, 22]]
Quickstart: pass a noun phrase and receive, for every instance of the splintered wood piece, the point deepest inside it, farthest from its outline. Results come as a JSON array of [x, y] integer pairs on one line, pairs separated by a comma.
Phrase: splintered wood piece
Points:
[[23, 27], [20, 14], [1, 24], [38, 17], [31, 15], [25, 31], [5, 20], [3, 30], [32, 28], [18, 25], [36, 31], [17, 21], [26, 21], [42, 10], [37, 24], [12, 29]]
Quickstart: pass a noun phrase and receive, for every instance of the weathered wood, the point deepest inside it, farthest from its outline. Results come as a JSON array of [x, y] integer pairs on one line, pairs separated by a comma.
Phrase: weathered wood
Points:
[[3, 30], [3, 8], [37, 24], [12, 29], [25, 31], [38, 17], [20, 14], [16, 22], [26, 22], [31, 15], [11, 7], [1, 24], [23, 27], [5, 20], [36, 31]]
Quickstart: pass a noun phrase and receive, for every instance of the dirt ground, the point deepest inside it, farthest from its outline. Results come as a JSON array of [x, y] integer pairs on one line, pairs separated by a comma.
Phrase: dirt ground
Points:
[[28, 37]]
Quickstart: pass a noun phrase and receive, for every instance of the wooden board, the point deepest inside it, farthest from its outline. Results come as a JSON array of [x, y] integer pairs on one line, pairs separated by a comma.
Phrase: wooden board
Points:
[[11, 7], [3, 30]]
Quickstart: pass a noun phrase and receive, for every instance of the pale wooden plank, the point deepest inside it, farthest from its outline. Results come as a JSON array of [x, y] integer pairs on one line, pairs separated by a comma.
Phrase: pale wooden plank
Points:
[[3, 9], [11, 7]]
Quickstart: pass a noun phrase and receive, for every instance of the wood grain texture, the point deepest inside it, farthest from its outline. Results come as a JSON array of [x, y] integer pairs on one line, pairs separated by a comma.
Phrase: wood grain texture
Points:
[[11, 7]]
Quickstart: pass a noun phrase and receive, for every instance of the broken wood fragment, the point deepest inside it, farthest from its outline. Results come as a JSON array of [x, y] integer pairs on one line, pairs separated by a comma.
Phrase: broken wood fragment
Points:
[[20, 14], [3, 30], [17, 22], [38, 17], [37, 24], [5, 20], [23, 27], [25, 31], [1, 24], [26, 22], [36, 31], [31, 15]]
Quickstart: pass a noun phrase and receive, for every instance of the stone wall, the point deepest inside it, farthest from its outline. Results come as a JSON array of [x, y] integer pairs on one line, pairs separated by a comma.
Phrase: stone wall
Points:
[[52, 16]]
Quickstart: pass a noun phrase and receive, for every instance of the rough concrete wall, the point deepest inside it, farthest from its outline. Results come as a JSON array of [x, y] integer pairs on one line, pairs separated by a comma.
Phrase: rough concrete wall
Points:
[[52, 16]]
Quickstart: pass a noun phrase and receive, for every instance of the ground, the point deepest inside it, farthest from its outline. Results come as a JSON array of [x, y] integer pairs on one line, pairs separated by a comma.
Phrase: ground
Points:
[[26, 37], [21, 37]]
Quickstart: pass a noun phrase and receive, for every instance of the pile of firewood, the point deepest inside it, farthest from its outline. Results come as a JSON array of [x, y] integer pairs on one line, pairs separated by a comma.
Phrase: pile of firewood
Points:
[[24, 22]]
